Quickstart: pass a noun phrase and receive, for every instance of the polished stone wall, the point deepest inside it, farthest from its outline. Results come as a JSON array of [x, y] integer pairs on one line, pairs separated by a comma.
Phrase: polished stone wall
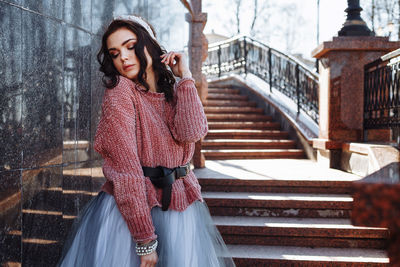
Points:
[[50, 97]]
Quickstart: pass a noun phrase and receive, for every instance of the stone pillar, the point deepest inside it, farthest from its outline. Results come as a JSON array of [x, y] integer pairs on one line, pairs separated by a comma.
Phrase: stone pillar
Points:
[[197, 49], [341, 91], [377, 204]]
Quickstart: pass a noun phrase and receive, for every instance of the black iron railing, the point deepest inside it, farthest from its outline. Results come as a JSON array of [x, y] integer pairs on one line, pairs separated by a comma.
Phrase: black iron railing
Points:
[[382, 94], [282, 72]]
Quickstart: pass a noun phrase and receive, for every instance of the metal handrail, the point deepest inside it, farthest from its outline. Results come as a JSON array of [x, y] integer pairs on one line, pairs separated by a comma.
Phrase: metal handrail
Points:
[[382, 94], [242, 55]]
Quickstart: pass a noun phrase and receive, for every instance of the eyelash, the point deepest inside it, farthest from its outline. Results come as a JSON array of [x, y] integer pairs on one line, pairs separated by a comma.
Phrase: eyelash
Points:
[[116, 55]]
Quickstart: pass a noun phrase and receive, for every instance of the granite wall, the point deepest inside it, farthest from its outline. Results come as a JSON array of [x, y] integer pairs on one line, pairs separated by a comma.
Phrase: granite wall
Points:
[[50, 97]]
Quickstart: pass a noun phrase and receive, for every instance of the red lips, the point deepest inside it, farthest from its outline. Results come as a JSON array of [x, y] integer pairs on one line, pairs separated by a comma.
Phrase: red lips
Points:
[[127, 66]]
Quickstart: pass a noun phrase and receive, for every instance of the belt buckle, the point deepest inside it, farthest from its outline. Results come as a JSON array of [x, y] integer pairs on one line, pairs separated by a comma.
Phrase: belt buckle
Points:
[[187, 168]]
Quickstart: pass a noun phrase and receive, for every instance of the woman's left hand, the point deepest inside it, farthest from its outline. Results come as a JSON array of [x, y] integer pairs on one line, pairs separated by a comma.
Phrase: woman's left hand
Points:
[[177, 62]]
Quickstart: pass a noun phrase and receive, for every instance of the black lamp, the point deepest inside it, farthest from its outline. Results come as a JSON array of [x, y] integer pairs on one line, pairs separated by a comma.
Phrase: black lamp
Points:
[[354, 24]]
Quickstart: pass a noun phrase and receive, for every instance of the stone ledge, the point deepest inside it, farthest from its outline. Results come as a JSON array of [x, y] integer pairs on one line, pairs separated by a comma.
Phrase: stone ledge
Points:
[[326, 144], [364, 158], [358, 43]]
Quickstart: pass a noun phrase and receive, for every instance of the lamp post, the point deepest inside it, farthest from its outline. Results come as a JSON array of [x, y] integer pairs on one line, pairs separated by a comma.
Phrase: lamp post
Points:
[[317, 22], [354, 24], [316, 60]]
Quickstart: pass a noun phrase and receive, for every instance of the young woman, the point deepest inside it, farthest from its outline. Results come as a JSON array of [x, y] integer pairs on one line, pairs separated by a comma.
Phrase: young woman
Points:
[[150, 211]]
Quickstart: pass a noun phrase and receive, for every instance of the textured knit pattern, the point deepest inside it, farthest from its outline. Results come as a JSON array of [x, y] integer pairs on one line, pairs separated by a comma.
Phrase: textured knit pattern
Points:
[[140, 128]]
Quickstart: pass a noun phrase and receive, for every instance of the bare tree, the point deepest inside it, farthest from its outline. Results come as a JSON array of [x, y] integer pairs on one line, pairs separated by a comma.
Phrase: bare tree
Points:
[[238, 3], [383, 16], [239, 10], [255, 15], [261, 13]]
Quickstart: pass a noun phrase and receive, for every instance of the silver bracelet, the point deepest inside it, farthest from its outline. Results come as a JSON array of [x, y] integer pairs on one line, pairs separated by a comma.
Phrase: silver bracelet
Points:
[[146, 249]]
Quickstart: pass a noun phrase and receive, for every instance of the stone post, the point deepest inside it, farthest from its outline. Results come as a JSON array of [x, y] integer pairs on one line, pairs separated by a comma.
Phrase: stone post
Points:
[[341, 89], [377, 204], [197, 49]]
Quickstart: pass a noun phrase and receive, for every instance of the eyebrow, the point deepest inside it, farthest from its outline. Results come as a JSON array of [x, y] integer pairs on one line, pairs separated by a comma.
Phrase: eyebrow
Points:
[[131, 39]]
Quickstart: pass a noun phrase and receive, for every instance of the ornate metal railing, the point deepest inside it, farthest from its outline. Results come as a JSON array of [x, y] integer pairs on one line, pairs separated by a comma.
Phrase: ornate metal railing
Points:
[[382, 94], [282, 72]]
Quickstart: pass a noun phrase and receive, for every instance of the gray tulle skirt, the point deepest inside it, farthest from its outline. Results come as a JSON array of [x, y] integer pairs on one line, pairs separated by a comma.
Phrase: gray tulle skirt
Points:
[[100, 237]]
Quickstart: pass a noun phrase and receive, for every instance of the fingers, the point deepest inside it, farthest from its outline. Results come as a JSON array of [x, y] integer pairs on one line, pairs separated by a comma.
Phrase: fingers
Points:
[[169, 58]]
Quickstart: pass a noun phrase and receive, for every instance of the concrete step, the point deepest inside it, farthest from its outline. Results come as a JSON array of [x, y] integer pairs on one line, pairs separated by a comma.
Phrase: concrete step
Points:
[[278, 256], [239, 117], [245, 184], [226, 97], [213, 154], [244, 125], [223, 91], [247, 144], [246, 134], [278, 204], [286, 171], [229, 103], [233, 110], [302, 232]]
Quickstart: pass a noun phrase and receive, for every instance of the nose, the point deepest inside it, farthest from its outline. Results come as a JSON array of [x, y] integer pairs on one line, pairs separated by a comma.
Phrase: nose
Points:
[[124, 55]]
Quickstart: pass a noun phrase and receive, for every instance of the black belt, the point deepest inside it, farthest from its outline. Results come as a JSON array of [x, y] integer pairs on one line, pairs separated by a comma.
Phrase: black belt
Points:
[[163, 177]]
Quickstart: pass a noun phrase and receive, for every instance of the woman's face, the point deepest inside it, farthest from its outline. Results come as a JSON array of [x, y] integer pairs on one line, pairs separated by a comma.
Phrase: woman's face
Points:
[[121, 46]]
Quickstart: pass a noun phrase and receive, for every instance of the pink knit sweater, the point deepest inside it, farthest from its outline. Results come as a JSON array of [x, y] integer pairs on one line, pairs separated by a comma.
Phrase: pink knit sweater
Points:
[[140, 128]]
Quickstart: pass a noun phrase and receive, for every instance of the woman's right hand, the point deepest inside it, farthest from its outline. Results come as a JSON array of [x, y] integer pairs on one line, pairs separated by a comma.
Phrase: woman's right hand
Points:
[[149, 260]]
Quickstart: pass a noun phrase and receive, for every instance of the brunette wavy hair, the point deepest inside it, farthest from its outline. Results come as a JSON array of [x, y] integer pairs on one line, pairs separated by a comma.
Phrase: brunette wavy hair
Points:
[[165, 78]]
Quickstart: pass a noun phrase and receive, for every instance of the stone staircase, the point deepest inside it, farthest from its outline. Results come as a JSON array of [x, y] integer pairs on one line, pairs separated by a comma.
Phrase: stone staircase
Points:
[[240, 130], [291, 223], [269, 213]]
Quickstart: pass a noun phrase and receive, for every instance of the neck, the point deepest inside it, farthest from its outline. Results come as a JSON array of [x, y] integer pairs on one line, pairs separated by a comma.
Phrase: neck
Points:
[[151, 80]]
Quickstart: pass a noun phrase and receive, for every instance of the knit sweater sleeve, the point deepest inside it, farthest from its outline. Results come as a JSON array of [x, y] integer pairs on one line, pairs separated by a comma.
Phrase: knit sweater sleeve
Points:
[[188, 122], [116, 141]]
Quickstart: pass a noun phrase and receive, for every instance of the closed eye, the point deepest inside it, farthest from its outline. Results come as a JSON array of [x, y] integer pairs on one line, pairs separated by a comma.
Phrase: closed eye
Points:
[[114, 55]]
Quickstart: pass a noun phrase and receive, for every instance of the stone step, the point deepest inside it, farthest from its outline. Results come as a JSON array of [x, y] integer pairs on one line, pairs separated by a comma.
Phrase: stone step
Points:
[[213, 154], [246, 134], [81, 182], [223, 91], [244, 125], [226, 97], [302, 232], [238, 117], [229, 103], [247, 144], [50, 200], [244, 184], [40, 252], [53, 200], [43, 224], [11, 247], [233, 110], [35, 251], [278, 256], [278, 204]]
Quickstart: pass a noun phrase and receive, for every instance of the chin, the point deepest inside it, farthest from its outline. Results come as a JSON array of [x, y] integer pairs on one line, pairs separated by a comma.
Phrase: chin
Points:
[[131, 76]]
